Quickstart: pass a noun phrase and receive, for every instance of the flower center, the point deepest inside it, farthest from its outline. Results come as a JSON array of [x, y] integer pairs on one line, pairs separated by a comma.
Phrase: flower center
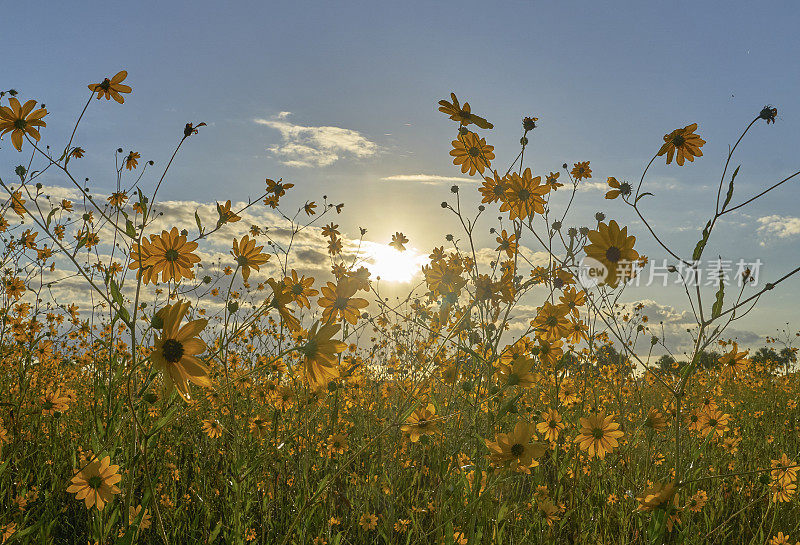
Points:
[[513, 379], [171, 255], [20, 123], [95, 481], [517, 449], [172, 351], [597, 433], [613, 254], [678, 140]]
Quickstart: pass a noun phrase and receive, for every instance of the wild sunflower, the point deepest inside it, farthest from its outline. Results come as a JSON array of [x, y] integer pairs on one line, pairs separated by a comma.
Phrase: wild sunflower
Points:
[[336, 444], [419, 423], [300, 289], [734, 362], [20, 120], [133, 514], [111, 88], [655, 421], [598, 435], [278, 188], [508, 243], [248, 255], [613, 248], [568, 394], [524, 195], [212, 428], [444, 277], [516, 449], [280, 301], [783, 469], [684, 142], [713, 421], [96, 483], [658, 495], [52, 401], [140, 254], [226, 215], [783, 491], [398, 241], [338, 302], [368, 521], [18, 203], [493, 189], [551, 322], [618, 188], [581, 170], [517, 373], [472, 153], [171, 255], [462, 114], [175, 350], [132, 160], [550, 352], [549, 511], [697, 502], [551, 426], [320, 361]]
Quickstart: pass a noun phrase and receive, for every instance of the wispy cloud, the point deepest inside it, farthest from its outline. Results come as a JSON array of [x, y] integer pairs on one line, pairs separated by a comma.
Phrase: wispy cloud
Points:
[[304, 146], [430, 179]]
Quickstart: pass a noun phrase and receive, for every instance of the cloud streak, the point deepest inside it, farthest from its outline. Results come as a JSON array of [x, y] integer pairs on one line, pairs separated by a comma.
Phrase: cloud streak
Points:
[[430, 179]]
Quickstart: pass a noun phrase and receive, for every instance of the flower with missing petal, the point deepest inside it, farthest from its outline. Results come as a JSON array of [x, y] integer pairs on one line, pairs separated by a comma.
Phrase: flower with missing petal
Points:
[[111, 88], [462, 114]]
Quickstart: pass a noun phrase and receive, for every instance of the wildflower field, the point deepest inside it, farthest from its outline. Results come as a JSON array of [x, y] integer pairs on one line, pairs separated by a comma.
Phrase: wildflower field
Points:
[[235, 398]]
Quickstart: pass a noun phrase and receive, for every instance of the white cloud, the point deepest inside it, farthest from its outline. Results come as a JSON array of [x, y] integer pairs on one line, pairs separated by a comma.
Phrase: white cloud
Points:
[[430, 179], [316, 146], [778, 227]]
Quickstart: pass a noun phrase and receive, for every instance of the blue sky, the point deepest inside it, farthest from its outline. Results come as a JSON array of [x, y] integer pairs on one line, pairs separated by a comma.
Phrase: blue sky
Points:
[[607, 80]]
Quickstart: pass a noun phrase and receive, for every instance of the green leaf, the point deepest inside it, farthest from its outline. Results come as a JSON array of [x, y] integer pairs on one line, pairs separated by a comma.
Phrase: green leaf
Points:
[[730, 188], [716, 308], [642, 195], [698, 250], [130, 230], [199, 224], [215, 532], [50, 216], [115, 293]]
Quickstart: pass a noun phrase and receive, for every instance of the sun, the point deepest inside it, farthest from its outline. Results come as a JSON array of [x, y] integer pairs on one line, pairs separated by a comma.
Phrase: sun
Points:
[[392, 265]]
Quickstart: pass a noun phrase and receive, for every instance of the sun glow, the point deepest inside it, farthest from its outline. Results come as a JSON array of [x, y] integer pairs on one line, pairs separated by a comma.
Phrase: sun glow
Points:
[[393, 265]]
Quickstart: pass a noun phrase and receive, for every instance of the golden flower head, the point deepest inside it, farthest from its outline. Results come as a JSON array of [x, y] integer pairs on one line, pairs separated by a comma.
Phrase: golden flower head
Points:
[[21, 120]]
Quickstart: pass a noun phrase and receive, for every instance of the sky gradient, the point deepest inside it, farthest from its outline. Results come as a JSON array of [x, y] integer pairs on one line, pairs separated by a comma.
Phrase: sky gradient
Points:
[[340, 99]]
